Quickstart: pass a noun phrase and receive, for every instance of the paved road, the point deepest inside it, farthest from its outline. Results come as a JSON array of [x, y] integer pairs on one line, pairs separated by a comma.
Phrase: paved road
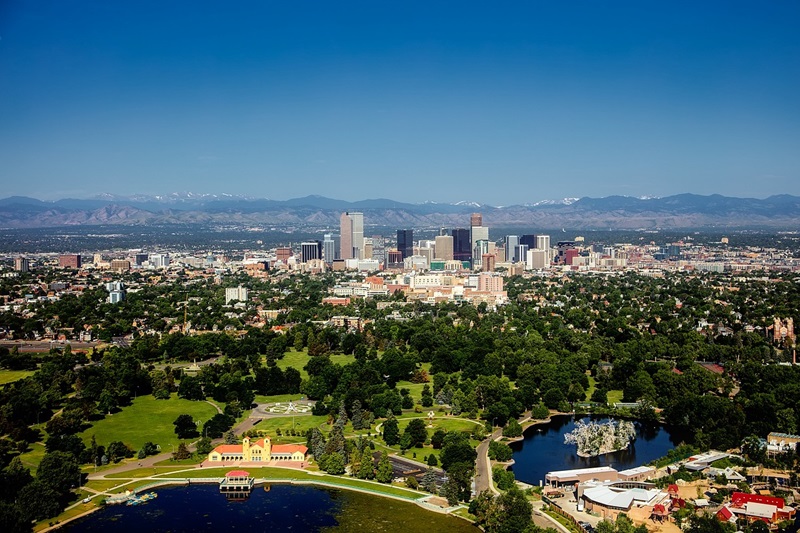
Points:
[[483, 470]]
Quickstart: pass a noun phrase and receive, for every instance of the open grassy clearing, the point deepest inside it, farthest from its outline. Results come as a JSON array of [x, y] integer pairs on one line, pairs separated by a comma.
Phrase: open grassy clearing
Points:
[[32, 458], [591, 389], [10, 376], [278, 398], [147, 419], [614, 396], [105, 485], [300, 423], [415, 389], [299, 360]]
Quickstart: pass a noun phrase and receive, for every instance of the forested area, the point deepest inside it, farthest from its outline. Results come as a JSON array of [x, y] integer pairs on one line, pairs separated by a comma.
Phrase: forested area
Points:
[[558, 339]]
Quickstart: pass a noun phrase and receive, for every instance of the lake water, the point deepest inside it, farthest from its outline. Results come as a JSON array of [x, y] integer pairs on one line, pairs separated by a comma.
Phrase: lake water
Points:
[[543, 449], [285, 508]]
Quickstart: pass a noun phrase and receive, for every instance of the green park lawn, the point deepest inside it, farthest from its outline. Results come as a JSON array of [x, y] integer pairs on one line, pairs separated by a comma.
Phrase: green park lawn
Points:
[[10, 376], [415, 389], [282, 398], [301, 424], [33, 457], [298, 360], [591, 389], [614, 396], [147, 419]]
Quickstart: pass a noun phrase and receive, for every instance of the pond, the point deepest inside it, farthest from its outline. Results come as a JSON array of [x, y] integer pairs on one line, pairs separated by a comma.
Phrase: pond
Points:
[[543, 449], [283, 508]]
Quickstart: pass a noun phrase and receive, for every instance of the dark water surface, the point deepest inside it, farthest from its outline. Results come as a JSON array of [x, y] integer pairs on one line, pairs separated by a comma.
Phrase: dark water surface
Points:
[[543, 449], [285, 508]]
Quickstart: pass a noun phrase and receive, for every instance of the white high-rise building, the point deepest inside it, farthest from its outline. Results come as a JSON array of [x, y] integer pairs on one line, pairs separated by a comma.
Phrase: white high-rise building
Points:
[[236, 293], [543, 242], [537, 259], [159, 260]]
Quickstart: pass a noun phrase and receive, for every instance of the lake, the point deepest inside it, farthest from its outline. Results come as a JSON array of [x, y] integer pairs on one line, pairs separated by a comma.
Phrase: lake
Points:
[[284, 508], [543, 449]]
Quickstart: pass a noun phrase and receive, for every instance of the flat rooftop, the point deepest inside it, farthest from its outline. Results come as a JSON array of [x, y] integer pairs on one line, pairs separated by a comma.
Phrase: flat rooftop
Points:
[[580, 472]]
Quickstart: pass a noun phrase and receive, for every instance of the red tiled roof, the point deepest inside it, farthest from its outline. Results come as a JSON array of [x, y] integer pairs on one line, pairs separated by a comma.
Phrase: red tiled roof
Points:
[[289, 448], [738, 499], [237, 473], [724, 514], [228, 448]]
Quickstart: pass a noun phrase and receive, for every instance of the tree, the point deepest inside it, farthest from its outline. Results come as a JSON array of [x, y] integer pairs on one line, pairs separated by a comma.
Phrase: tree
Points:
[[708, 524], [438, 438], [148, 448], [516, 511], [552, 398], [384, 472], [118, 450], [107, 402], [540, 412], [367, 468], [191, 388], [357, 417], [230, 437], [499, 451], [639, 385], [428, 482], [185, 427], [507, 513], [417, 432], [38, 500], [13, 478], [427, 396], [391, 433], [60, 471], [449, 490], [12, 518], [600, 395], [432, 461], [181, 453], [513, 429], [504, 479], [332, 463], [204, 446]]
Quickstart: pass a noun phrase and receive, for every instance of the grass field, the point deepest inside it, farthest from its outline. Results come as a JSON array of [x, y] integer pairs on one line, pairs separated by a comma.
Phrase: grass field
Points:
[[614, 396], [260, 398], [298, 360], [591, 389], [147, 419], [285, 423], [10, 376], [32, 458]]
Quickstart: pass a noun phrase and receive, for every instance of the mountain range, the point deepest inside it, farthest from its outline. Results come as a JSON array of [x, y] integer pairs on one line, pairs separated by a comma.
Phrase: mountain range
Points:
[[612, 212]]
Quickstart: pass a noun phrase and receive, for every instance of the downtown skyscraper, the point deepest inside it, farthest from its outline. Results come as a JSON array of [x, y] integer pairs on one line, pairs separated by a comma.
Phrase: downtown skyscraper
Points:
[[351, 229]]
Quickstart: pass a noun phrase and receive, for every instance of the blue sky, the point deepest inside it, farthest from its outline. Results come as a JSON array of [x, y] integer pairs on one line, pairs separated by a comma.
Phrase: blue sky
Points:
[[501, 102]]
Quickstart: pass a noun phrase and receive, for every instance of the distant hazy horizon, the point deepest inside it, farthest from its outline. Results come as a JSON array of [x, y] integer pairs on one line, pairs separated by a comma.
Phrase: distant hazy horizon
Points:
[[513, 102], [184, 195]]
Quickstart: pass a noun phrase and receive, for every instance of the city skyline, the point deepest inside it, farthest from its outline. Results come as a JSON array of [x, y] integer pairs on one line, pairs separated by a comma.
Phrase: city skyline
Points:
[[542, 101]]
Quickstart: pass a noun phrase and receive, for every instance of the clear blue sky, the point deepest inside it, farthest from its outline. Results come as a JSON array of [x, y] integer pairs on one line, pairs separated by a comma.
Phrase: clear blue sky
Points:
[[499, 102]]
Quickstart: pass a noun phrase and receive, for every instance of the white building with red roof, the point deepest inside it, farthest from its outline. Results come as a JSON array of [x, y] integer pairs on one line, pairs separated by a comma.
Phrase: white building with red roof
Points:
[[752, 507], [260, 451]]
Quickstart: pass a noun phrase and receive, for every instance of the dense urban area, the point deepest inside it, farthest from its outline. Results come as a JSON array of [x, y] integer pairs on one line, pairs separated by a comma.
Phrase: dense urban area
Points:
[[408, 367]]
